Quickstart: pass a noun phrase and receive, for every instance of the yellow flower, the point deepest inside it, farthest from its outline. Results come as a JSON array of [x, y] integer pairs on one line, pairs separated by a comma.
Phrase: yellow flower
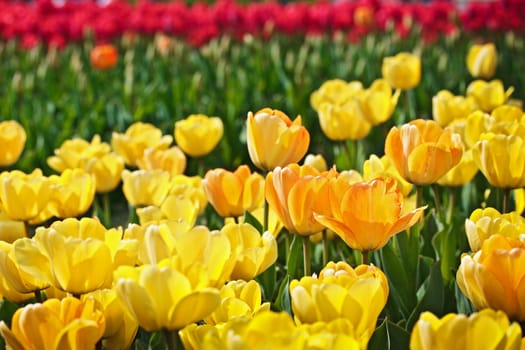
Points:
[[24, 196], [121, 328], [73, 193], [482, 60], [174, 207], [343, 122], [13, 139], [274, 140], [488, 95], [198, 134], [462, 173], [11, 230], [317, 161], [378, 102], [274, 223], [501, 159], [375, 167], [422, 151], [367, 214], [447, 108], [172, 160], [233, 193], [253, 252], [191, 187], [73, 153], [145, 187], [492, 277], [402, 71], [335, 92], [136, 139], [107, 170], [55, 324], [357, 294], [163, 298], [486, 329]]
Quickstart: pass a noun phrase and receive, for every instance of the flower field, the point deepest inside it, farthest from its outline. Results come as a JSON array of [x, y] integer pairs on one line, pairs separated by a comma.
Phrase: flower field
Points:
[[318, 175]]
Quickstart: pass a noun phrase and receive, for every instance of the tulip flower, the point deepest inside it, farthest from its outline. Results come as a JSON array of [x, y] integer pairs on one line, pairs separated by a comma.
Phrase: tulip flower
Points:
[[190, 187], [344, 122], [375, 167], [458, 332], [198, 134], [377, 102], [488, 95], [233, 193], [103, 56], [482, 60], [172, 160], [73, 193], [174, 207], [13, 139], [335, 92], [73, 153], [365, 215], [145, 187], [274, 140], [11, 230], [137, 138], [462, 173], [163, 298], [492, 277], [107, 171], [317, 161], [402, 71], [55, 324], [422, 151], [447, 108]]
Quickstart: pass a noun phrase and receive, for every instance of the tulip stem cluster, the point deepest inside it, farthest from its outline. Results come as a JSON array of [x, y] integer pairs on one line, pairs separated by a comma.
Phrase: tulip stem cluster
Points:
[[437, 200], [171, 339], [506, 200], [325, 247], [306, 256]]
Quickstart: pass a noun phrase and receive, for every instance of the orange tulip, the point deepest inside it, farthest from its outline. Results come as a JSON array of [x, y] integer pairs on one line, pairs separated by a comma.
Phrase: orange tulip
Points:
[[366, 214], [104, 56], [422, 151]]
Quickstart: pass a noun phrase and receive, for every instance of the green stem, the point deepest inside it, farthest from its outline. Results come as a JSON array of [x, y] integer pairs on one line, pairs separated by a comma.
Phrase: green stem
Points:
[[106, 210], [451, 203], [325, 247], [349, 148], [171, 339], [364, 257], [437, 200], [133, 218], [38, 296], [306, 255], [506, 200], [419, 196], [266, 215], [409, 115]]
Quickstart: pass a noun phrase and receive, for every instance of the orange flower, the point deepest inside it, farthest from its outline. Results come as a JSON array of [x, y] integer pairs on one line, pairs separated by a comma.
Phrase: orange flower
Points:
[[422, 151], [367, 214], [104, 56]]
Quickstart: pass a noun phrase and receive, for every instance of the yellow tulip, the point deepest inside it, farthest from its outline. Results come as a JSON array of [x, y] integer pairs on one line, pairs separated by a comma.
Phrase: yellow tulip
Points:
[[447, 108], [294, 194], [274, 140], [73, 153], [422, 151], [233, 193], [24, 196], [73, 193], [121, 328], [462, 173], [317, 161], [335, 92], [174, 207], [253, 252], [190, 187], [274, 223], [519, 200], [107, 170], [368, 213], [198, 134], [501, 160], [488, 95], [486, 329], [13, 139], [402, 71], [377, 102], [163, 298], [340, 291], [482, 60], [145, 187], [344, 122], [136, 139], [173, 160], [11, 230], [375, 167], [486, 222], [492, 277]]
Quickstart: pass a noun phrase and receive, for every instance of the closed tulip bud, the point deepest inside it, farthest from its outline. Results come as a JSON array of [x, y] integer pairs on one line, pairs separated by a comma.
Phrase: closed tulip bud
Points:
[[163, 298], [458, 332], [447, 108], [172, 160], [73, 153], [345, 122], [55, 324], [274, 140], [137, 138], [104, 56], [501, 160], [492, 277], [73, 193], [482, 60], [13, 139], [368, 213], [198, 134], [422, 151], [488, 95], [402, 71], [335, 92], [462, 173], [233, 193], [145, 187]]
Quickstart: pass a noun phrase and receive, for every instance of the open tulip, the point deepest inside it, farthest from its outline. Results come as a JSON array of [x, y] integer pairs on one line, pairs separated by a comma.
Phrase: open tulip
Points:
[[73, 153], [447, 108], [11, 230], [343, 122], [274, 140], [145, 187], [107, 170], [172, 160], [482, 60], [462, 173], [198, 134], [422, 151], [375, 167], [488, 95], [377, 102], [335, 92], [402, 71], [104, 56], [13, 139], [73, 193]]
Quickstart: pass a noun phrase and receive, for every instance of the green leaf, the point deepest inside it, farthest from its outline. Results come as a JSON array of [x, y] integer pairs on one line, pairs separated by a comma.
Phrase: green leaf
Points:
[[295, 256], [389, 336], [283, 301], [7, 310], [379, 339], [252, 220]]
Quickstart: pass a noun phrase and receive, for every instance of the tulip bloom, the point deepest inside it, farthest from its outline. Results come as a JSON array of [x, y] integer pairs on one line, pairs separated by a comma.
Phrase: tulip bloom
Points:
[[55, 324], [73, 193], [104, 56], [317, 161], [488, 95], [198, 134], [11, 230], [145, 187], [447, 108], [343, 122], [458, 332], [422, 151], [402, 71], [335, 92], [482, 60], [73, 153], [377, 102], [492, 277], [13, 139], [172, 160], [375, 167], [163, 298], [274, 140], [365, 215], [233, 193], [462, 173], [107, 171]]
